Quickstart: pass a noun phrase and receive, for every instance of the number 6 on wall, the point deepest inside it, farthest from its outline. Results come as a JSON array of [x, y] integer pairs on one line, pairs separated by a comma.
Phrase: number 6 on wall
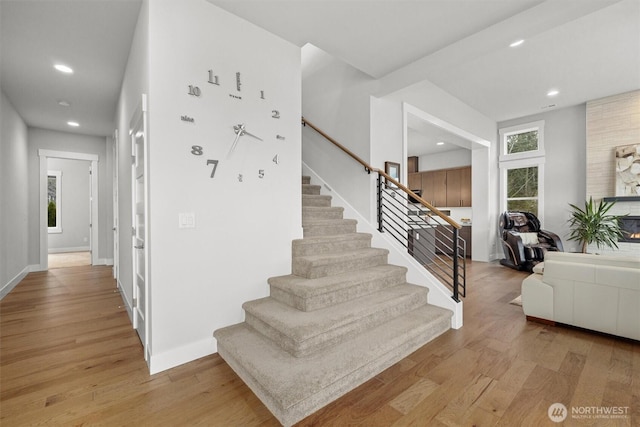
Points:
[[215, 166]]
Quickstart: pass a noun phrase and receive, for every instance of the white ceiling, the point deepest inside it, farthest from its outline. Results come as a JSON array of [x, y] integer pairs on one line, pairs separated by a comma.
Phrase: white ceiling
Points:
[[91, 36], [586, 49]]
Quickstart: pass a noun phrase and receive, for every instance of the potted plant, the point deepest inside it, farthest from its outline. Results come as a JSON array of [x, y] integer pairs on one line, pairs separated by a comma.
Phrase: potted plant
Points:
[[593, 225]]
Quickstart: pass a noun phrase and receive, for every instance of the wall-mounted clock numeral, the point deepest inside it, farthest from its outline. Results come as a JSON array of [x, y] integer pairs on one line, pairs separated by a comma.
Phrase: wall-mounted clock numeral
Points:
[[276, 159], [213, 79], [280, 137], [238, 82], [261, 173], [196, 150], [275, 114], [215, 166], [262, 94], [240, 177], [194, 90]]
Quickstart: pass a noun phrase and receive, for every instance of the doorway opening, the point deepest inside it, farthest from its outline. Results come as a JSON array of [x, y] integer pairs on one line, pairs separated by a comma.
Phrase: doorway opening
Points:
[[89, 230]]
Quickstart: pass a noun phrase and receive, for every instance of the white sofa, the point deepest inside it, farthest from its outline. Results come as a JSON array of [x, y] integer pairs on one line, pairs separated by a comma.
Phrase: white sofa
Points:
[[596, 292]]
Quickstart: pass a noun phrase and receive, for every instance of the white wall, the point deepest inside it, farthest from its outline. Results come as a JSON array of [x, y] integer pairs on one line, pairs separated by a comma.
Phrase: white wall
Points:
[[565, 165], [14, 203], [75, 143], [448, 159], [134, 84], [74, 193], [336, 98], [199, 277]]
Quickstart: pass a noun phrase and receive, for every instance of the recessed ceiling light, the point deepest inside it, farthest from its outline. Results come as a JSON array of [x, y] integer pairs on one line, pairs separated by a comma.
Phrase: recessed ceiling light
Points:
[[440, 143], [553, 92], [516, 43], [73, 124], [63, 68], [64, 103]]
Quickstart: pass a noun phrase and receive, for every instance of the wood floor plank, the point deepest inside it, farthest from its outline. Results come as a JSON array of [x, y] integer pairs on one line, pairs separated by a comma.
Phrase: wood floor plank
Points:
[[68, 356]]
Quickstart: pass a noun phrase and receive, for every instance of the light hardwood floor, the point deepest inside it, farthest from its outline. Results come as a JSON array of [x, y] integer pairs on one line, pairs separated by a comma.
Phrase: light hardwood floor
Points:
[[69, 357]]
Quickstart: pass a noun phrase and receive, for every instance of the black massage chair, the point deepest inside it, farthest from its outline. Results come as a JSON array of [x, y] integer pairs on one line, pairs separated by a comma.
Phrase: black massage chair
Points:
[[523, 242]]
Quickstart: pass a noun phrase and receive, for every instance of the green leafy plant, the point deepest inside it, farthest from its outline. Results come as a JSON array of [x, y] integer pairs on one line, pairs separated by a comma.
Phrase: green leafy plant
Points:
[[593, 225], [51, 214]]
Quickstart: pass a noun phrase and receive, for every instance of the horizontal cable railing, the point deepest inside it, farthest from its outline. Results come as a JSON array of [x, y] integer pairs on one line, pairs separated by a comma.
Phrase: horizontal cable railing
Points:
[[430, 236]]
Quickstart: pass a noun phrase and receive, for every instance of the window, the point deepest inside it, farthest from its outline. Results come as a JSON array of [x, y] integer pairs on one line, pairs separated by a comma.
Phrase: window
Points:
[[522, 168], [523, 141], [54, 201]]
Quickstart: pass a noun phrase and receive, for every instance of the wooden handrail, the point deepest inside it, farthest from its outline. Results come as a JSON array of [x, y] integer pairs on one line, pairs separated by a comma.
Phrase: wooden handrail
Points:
[[368, 167]]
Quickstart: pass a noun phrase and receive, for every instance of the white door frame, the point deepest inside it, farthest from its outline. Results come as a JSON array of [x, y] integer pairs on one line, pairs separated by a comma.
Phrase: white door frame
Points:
[[138, 127], [116, 231], [44, 235]]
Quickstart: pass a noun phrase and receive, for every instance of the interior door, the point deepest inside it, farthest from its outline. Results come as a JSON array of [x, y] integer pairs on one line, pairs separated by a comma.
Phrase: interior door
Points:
[[138, 133]]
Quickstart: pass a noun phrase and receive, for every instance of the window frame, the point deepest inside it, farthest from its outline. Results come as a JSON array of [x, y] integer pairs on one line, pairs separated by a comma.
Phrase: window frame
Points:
[[58, 176], [523, 128], [533, 158]]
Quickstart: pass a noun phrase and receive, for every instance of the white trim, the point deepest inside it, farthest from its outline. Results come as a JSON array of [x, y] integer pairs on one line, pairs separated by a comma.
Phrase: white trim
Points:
[[128, 305], [68, 155], [44, 235], [4, 291], [70, 249], [523, 128], [181, 355]]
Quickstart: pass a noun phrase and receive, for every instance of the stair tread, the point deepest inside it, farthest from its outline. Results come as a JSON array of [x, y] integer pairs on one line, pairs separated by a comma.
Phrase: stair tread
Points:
[[301, 326], [293, 387], [306, 288]]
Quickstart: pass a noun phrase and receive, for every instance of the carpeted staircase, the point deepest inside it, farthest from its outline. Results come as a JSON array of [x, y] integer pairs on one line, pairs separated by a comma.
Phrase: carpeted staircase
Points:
[[343, 316]]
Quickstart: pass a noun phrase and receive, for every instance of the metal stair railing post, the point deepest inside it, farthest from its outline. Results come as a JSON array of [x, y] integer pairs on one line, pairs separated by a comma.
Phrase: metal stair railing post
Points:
[[380, 223], [401, 225]]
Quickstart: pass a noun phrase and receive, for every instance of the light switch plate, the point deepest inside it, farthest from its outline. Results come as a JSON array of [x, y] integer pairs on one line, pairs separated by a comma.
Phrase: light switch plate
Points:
[[186, 220]]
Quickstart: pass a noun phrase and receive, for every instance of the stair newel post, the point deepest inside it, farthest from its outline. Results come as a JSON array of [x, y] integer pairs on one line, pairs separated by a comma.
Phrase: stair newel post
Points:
[[380, 226], [455, 266]]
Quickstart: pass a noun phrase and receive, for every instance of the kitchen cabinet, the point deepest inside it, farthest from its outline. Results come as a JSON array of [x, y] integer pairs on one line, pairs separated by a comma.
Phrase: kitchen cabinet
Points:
[[444, 187], [434, 187], [412, 164], [415, 181], [459, 187]]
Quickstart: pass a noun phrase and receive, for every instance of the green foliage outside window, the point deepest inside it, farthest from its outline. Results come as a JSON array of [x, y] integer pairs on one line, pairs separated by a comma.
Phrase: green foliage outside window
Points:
[[522, 142], [51, 208], [522, 189]]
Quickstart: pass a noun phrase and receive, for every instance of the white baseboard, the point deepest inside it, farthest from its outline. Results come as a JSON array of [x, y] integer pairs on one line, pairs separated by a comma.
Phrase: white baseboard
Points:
[[64, 250], [127, 304], [104, 261], [8, 287], [180, 355]]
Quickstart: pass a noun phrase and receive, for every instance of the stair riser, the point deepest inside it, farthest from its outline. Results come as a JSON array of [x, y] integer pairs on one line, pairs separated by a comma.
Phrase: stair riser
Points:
[[321, 213], [310, 271], [339, 296], [327, 230], [341, 333], [310, 189], [306, 180], [319, 201], [301, 248]]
